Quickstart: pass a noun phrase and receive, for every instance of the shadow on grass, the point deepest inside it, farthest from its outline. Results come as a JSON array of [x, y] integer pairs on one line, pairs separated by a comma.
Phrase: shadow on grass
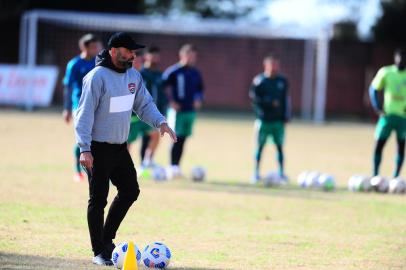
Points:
[[292, 191], [12, 261], [24, 262]]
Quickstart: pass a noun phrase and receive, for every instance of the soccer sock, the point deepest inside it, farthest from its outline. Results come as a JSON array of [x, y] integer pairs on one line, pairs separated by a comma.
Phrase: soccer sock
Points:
[[177, 150], [280, 158], [400, 157], [144, 146], [76, 152], [258, 155], [378, 155]]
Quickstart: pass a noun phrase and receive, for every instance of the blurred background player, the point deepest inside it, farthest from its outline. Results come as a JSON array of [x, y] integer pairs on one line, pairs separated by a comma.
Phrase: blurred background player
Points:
[[136, 125], [388, 98], [269, 94], [185, 86], [89, 45], [152, 77]]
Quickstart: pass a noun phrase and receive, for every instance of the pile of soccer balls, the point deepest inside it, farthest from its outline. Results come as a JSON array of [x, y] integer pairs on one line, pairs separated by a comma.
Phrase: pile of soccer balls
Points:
[[160, 173], [363, 183], [155, 255], [316, 180]]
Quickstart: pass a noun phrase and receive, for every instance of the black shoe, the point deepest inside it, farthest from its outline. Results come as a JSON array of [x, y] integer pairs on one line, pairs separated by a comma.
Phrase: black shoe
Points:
[[102, 260]]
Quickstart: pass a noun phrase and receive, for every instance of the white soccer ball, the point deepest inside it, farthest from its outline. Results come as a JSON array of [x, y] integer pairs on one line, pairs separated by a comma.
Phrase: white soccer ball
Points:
[[397, 185], [364, 183], [359, 183], [159, 173], [351, 182], [326, 182], [301, 179], [272, 179], [312, 180], [379, 184], [119, 253], [198, 174], [156, 255]]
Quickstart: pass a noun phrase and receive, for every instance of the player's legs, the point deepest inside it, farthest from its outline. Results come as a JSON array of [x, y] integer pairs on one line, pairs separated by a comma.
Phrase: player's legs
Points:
[[401, 139], [76, 152], [134, 131], [278, 136], [144, 146], [379, 145], [78, 176], [183, 129], [177, 150], [382, 133], [124, 177], [145, 130], [151, 146], [400, 156], [260, 138]]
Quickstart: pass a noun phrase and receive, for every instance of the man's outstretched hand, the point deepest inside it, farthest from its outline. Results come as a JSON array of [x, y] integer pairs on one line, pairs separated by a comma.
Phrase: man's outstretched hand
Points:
[[164, 128]]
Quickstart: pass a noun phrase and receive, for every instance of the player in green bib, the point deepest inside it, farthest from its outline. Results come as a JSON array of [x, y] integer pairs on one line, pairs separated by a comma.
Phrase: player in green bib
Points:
[[269, 95], [388, 98]]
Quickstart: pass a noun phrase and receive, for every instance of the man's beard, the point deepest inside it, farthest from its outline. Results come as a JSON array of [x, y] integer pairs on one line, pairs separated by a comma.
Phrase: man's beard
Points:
[[126, 63]]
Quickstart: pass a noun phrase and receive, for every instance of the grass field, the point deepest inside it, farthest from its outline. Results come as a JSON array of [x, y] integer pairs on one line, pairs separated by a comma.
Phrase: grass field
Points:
[[223, 223]]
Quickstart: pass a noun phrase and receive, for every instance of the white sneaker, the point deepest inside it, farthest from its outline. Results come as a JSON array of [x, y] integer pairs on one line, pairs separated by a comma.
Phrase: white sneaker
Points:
[[174, 172], [255, 179], [284, 179], [100, 260]]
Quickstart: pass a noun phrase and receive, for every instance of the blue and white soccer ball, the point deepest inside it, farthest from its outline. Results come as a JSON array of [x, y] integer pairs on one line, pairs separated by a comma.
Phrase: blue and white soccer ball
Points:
[[301, 179], [272, 179], [312, 179], [119, 253], [397, 185], [156, 255], [379, 184], [198, 174], [159, 173], [359, 182]]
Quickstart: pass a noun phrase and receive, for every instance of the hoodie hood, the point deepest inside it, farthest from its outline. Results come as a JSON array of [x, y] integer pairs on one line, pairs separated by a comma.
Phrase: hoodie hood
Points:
[[103, 59]]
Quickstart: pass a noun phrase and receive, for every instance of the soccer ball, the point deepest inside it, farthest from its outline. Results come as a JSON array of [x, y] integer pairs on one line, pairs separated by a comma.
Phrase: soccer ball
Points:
[[272, 179], [144, 173], [301, 179], [397, 185], [119, 253], [159, 173], [326, 182], [364, 183], [351, 182], [359, 183], [198, 174], [156, 255], [379, 184], [312, 179]]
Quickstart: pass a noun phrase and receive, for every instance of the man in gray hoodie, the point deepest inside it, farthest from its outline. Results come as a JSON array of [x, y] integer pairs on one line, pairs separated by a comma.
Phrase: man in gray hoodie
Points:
[[111, 91]]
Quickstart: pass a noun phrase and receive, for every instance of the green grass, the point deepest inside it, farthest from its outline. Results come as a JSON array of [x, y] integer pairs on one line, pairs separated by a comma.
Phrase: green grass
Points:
[[223, 223]]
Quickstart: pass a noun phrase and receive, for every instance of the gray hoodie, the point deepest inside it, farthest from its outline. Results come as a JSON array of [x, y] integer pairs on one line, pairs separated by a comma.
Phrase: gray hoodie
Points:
[[109, 96]]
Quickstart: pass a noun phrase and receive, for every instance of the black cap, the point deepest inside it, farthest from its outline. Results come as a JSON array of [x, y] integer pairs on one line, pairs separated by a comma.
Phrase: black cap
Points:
[[122, 39]]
